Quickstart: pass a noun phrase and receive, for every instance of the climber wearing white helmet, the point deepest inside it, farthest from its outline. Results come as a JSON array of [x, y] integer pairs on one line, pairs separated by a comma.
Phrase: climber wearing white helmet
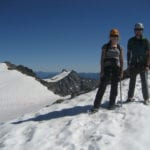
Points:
[[138, 58]]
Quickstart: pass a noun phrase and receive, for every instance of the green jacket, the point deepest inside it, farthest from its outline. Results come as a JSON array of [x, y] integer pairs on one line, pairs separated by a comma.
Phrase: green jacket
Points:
[[137, 51]]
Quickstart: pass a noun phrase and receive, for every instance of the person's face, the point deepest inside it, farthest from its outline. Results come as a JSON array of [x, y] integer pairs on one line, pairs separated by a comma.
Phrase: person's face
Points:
[[114, 38], [138, 31]]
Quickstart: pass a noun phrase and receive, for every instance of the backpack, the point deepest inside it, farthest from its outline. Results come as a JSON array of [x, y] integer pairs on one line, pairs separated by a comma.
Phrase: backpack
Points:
[[111, 62]]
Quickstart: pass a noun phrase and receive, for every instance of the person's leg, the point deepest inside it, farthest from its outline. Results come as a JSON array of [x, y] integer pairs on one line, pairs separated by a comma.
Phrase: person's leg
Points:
[[114, 87], [100, 92], [132, 86], [144, 82]]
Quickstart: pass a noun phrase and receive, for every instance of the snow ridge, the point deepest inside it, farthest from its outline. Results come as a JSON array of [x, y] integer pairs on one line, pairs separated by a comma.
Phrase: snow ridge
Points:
[[20, 94], [58, 77]]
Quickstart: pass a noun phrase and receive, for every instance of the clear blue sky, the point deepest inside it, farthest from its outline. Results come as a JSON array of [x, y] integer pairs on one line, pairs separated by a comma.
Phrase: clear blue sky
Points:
[[50, 35]]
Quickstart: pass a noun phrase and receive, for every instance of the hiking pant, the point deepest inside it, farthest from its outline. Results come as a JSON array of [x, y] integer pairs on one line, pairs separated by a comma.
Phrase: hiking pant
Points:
[[110, 75], [144, 82]]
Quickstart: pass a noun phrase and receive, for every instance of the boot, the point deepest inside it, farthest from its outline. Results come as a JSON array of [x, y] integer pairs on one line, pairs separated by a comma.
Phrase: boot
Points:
[[111, 107], [130, 100], [146, 102], [94, 110]]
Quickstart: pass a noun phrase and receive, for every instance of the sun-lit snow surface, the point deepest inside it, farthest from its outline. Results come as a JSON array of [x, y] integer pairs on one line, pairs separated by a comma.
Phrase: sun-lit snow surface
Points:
[[58, 77], [67, 126], [20, 94]]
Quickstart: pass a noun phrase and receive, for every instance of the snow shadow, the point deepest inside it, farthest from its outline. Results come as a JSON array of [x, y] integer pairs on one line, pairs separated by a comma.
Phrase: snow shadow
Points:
[[58, 114]]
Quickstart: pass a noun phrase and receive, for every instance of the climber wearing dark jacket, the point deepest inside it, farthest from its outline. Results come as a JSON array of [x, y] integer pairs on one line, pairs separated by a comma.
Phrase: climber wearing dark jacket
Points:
[[138, 58]]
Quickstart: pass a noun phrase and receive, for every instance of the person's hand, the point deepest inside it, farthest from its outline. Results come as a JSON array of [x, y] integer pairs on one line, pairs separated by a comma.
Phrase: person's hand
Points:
[[102, 74], [146, 68], [130, 69], [121, 75]]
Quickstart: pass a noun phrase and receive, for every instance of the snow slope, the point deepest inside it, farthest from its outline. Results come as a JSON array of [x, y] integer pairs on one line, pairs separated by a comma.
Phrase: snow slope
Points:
[[58, 77], [67, 126], [20, 94]]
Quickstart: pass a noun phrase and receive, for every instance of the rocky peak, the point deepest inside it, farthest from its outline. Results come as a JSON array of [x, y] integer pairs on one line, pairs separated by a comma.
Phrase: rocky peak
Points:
[[21, 68], [73, 85]]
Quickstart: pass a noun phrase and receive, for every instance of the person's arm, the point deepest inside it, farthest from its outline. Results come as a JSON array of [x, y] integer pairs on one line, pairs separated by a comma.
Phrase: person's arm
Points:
[[102, 61], [128, 53], [121, 63], [148, 58], [148, 55], [128, 57]]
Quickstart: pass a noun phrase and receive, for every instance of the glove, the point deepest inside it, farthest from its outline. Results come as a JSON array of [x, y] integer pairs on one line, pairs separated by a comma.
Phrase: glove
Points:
[[121, 74], [146, 68], [101, 74]]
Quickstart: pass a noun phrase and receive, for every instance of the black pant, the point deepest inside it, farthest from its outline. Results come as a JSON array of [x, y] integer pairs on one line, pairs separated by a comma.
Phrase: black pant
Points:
[[110, 75], [144, 82]]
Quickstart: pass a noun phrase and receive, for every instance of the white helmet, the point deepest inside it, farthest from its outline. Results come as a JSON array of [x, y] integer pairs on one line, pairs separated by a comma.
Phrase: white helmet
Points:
[[139, 26]]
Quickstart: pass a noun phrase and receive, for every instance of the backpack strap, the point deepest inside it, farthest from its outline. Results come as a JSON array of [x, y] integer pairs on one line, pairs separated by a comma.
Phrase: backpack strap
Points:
[[119, 47], [108, 46]]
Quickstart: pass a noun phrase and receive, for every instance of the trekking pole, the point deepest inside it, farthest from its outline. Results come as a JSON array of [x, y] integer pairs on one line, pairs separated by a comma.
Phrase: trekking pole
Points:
[[121, 92]]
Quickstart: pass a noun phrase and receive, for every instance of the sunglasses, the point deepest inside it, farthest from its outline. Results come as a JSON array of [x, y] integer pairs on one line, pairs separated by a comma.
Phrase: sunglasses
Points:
[[114, 36], [138, 29]]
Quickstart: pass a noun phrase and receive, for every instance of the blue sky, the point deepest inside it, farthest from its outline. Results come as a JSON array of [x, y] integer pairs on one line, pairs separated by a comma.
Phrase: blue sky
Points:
[[50, 35]]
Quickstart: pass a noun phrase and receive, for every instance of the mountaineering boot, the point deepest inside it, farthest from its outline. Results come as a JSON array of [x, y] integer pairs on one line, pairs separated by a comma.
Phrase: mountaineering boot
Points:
[[146, 102], [130, 100], [111, 107], [94, 110]]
